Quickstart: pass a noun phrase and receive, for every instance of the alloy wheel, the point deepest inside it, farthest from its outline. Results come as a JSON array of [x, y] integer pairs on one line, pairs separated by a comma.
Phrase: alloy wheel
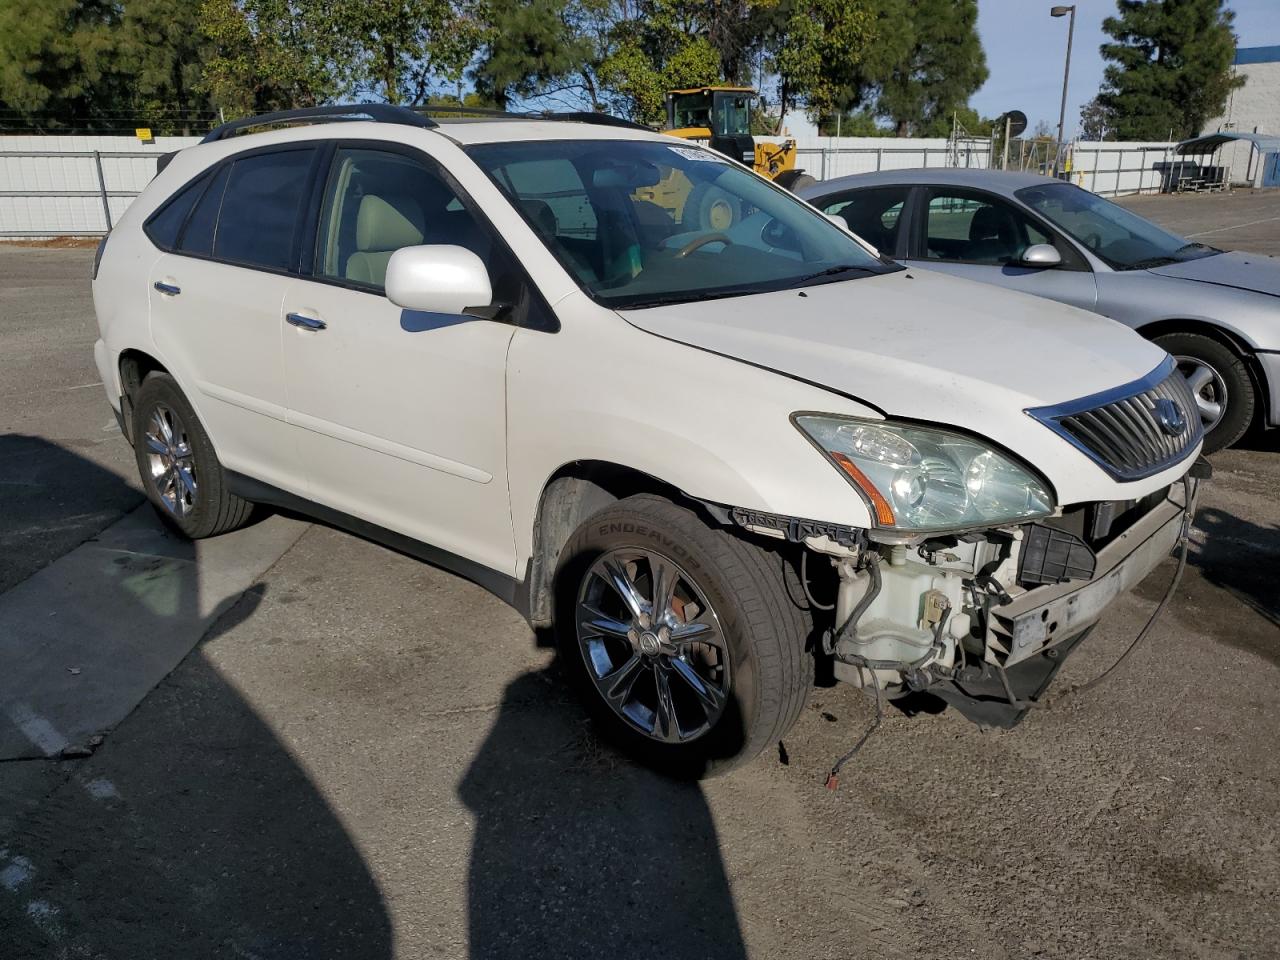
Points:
[[171, 461], [653, 645]]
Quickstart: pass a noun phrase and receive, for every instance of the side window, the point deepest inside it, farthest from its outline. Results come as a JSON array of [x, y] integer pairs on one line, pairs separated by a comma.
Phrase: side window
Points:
[[875, 214], [377, 202], [260, 207], [971, 229], [166, 223], [197, 238]]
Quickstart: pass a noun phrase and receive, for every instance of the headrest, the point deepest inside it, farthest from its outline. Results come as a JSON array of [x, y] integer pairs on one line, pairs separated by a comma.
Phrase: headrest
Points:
[[989, 223], [540, 212], [388, 223]]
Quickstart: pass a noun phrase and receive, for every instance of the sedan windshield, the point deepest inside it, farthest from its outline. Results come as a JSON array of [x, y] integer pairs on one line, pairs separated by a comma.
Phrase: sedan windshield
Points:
[[640, 223], [1121, 239]]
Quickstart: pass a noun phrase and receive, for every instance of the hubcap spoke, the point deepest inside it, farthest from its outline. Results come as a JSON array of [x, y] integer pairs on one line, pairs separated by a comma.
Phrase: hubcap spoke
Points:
[[1199, 378], [595, 622], [1210, 412], [699, 631], [663, 577], [709, 695], [616, 686], [156, 445], [665, 726], [620, 580]]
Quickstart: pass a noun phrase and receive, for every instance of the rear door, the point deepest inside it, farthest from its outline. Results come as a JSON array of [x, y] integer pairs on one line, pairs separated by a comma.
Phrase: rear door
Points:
[[980, 236], [215, 306]]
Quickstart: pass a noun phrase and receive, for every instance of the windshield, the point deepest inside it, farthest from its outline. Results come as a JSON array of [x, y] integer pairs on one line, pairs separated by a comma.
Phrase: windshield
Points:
[[1121, 239], [639, 223]]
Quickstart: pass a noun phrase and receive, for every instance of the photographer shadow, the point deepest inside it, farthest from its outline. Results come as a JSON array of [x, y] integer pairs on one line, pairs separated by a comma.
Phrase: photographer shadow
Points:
[[579, 853]]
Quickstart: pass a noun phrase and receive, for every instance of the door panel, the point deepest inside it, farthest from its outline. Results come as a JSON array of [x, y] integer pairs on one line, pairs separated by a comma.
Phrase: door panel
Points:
[[220, 334], [980, 237], [400, 416]]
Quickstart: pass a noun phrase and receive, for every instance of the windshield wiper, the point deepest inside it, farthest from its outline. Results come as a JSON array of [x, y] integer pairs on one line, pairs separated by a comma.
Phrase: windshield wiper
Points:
[[1150, 262], [829, 272]]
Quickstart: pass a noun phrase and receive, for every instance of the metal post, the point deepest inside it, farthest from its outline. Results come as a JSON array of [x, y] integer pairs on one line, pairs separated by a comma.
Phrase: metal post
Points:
[[102, 189], [1004, 159], [879, 158], [1066, 75]]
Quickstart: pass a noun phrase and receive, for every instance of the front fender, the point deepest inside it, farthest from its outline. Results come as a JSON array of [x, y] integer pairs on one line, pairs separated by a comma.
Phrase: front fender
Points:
[[715, 428]]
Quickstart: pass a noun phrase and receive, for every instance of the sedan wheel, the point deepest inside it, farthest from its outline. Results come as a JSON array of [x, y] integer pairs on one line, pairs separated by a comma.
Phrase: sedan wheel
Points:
[[1209, 388], [1220, 380]]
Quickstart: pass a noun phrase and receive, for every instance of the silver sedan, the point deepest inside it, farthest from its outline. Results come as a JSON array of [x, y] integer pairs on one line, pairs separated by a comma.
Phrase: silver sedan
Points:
[[1218, 313]]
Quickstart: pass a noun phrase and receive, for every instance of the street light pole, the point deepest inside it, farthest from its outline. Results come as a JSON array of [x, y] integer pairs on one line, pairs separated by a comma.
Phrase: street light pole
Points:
[[1062, 11]]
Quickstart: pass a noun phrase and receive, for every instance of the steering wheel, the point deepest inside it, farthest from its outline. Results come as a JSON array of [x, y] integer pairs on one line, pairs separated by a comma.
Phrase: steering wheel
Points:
[[699, 242], [1092, 240]]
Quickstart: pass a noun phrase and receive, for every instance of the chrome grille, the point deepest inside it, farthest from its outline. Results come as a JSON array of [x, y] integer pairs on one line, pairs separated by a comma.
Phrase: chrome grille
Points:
[[1122, 429]]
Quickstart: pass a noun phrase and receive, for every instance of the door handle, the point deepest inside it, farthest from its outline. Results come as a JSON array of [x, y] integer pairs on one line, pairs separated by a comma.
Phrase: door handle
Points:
[[168, 289], [305, 323]]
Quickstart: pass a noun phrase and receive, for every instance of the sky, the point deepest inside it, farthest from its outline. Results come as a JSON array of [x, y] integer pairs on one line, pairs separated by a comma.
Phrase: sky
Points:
[[1025, 49]]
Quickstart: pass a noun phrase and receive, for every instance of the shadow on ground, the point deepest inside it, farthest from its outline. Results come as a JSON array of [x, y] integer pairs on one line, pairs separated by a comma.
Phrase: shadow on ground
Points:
[[578, 853], [191, 832], [1242, 557]]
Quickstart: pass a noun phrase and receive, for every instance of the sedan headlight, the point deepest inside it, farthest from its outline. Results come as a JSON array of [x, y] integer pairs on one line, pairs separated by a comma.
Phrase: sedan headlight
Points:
[[922, 478]]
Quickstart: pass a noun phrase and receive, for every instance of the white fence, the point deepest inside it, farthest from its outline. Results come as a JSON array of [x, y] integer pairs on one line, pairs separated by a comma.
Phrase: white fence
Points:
[[80, 185], [73, 185]]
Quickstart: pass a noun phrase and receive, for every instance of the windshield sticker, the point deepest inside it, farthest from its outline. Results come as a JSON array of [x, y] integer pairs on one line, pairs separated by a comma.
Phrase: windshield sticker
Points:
[[690, 153]]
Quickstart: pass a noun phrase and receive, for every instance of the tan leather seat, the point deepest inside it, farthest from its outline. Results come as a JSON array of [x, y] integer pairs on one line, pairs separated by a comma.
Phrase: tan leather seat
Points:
[[383, 226]]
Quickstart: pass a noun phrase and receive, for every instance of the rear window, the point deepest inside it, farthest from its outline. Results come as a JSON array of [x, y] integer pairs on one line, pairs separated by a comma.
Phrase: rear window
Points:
[[260, 209], [166, 223], [197, 238]]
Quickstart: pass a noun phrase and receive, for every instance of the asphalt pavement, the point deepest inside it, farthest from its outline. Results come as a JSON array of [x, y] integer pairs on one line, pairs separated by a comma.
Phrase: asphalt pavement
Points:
[[364, 756]]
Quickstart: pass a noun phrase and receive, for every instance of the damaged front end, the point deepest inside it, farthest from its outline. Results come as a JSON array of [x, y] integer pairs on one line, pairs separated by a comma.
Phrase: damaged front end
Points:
[[983, 619]]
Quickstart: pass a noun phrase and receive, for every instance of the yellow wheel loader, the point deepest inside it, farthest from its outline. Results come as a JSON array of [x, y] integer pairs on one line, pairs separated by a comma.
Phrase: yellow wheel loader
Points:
[[720, 118]]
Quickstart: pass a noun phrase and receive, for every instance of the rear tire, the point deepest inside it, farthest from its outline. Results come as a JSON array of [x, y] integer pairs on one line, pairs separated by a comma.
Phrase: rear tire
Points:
[[180, 472], [760, 673], [1219, 376]]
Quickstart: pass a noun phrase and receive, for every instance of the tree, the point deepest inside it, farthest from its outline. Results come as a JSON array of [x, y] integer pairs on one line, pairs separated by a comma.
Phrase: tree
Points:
[[929, 62], [266, 55], [400, 50], [533, 48], [814, 47], [1170, 67], [1095, 121], [159, 55], [55, 58]]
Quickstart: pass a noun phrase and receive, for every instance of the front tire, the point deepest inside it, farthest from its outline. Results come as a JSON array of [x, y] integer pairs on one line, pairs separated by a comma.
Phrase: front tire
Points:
[[1221, 383], [682, 640], [180, 472]]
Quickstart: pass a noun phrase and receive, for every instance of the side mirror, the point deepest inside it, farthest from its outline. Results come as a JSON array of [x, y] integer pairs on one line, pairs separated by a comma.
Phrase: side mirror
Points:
[[437, 279], [1040, 255]]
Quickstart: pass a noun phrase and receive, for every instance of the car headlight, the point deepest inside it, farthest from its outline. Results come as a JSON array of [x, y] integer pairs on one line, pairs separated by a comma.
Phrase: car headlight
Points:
[[923, 478]]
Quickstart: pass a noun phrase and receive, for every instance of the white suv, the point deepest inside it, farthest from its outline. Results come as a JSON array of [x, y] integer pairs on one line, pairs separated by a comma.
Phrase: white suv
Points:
[[713, 440]]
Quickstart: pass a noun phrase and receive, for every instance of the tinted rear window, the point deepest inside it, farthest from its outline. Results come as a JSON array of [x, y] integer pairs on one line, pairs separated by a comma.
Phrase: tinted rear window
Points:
[[198, 236], [260, 209], [165, 224]]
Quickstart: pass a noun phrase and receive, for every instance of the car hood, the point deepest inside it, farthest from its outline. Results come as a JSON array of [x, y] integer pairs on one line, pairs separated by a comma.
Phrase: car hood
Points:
[[925, 346], [1244, 271]]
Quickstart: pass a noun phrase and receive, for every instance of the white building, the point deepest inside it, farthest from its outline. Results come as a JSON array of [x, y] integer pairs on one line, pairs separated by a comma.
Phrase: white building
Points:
[[1254, 108]]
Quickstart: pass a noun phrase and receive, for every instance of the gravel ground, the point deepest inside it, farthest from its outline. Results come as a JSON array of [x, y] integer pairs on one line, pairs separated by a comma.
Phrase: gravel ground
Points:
[[368, 757]]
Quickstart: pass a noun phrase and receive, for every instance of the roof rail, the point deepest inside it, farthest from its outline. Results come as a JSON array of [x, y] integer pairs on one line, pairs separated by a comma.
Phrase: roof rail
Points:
[[590, 116], [575, 116], [378, 112]]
